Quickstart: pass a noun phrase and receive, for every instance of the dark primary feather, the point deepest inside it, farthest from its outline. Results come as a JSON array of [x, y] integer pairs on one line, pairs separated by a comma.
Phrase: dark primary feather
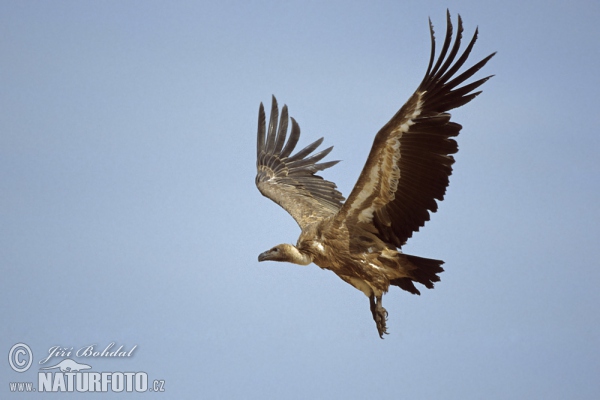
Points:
[[411, 159], [290, 180]]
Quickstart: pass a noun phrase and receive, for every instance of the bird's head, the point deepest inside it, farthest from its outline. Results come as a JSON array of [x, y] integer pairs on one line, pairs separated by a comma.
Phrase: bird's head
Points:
[[285, 252], [280, 252]]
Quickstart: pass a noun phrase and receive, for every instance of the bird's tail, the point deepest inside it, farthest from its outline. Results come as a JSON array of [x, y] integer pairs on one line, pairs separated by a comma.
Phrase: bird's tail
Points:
[[424, 271]]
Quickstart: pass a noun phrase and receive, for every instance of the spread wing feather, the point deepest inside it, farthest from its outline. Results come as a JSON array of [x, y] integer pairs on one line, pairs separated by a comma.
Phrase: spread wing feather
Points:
[[411, 159], [291, 180]]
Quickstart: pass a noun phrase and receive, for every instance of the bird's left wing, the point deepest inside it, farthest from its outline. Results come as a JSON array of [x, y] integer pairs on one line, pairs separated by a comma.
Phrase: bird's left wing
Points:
[[411, 159], [290, 180]]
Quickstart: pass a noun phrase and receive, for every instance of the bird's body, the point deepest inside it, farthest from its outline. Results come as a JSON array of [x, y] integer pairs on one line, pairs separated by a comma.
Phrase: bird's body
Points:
[[355, 254], [406, 172]]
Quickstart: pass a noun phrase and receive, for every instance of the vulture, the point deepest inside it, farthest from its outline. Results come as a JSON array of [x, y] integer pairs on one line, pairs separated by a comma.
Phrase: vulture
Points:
[[405, 174]]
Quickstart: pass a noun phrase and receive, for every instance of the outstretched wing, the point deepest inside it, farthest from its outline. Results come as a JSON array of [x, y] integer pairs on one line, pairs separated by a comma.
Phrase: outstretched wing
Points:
[[290, 180], [410, 162]]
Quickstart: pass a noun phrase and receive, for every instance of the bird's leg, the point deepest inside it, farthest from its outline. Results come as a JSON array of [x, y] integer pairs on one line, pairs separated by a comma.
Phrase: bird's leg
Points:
[[379, 314]]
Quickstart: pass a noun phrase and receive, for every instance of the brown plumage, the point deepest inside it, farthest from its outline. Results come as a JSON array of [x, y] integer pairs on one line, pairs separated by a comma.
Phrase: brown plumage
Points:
[[406, 172]]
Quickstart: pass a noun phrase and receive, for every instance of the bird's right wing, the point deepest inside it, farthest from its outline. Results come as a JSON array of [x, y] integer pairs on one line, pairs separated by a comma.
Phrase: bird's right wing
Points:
[[290, 180]]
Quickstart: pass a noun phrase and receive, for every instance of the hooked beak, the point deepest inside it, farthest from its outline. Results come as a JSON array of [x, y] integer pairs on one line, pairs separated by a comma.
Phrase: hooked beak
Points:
[[263, 256]]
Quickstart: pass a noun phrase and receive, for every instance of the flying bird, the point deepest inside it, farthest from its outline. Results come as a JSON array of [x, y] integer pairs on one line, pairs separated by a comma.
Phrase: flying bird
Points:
[[405, 174]]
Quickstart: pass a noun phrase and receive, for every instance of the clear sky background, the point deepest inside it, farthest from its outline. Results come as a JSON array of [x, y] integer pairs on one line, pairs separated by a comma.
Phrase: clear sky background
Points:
[[128, 211]]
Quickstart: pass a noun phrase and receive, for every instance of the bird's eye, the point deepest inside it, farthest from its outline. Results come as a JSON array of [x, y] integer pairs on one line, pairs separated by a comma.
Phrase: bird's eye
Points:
[[275, 249]]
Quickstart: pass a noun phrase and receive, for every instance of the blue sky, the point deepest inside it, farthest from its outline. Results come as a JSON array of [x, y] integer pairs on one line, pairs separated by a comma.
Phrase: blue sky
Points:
[[129, 212]]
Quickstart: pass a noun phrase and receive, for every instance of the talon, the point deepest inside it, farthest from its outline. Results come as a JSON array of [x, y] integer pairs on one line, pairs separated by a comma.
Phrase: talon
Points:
[[380, 315], [381, 322]]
